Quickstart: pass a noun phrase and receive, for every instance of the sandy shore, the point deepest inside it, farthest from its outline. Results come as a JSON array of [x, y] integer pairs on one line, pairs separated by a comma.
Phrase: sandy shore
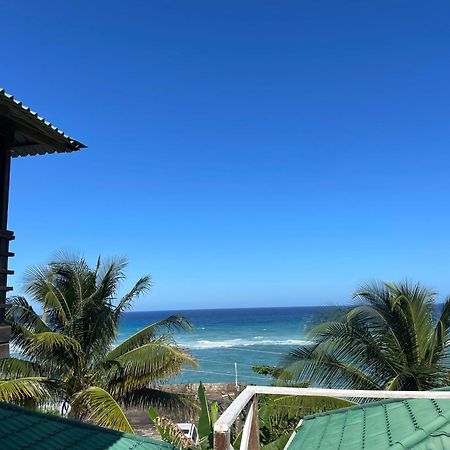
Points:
[[224, 393]]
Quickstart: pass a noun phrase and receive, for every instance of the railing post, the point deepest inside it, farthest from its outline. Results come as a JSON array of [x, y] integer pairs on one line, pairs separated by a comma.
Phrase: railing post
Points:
[[253, 443], [222, 435], [222, 440]]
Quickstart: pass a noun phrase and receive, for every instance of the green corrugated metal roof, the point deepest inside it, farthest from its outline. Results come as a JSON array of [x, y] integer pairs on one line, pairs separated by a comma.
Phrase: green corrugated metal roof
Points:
[[389, 424], [34, 135], [21, 428]]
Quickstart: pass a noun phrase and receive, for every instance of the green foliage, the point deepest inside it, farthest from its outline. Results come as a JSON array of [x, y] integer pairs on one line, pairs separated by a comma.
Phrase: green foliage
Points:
[[208, 417], [279, 415], [170, 432], [102, 407], [68, 356], [24, 391], [204, 422], [279, 443], [269, 371], [389, 340], [214, 413]]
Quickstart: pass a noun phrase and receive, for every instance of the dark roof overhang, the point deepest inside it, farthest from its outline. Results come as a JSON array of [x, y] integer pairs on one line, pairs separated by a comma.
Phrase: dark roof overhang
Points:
[[33, 135]]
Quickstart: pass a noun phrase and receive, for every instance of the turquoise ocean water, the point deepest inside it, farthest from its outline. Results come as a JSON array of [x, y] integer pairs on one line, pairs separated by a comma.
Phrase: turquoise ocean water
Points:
[[222, 337]]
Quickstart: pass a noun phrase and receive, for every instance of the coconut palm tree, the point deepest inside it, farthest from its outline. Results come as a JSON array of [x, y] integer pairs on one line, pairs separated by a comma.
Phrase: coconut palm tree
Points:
[[67, 355], [395, 338]]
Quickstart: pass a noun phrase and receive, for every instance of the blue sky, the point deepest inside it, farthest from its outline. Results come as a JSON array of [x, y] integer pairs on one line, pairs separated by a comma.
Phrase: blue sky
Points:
[[245, 153]]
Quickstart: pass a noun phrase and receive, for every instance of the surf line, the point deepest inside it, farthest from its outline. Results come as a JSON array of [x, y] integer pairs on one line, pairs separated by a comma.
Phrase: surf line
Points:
[[257, 351]]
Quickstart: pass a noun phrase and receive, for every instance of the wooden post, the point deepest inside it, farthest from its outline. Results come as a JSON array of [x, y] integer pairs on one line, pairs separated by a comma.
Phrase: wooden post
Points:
[[253, 443], [6, 142], [222, 440]]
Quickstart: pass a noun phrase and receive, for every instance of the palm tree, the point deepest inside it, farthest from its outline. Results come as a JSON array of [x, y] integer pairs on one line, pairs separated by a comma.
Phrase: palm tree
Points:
[[68, 356], [395, 338]]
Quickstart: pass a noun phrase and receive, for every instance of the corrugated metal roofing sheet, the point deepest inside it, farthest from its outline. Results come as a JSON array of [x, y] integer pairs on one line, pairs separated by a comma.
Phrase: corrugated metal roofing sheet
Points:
[[21, 428], [55, 140], [417, 424]]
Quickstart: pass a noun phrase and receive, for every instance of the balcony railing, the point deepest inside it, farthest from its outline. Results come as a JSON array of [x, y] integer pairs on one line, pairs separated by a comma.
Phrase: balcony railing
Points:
[[247, 402]]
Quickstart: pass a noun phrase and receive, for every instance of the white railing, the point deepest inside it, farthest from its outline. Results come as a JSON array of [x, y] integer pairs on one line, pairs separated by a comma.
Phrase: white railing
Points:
[[247, 401]]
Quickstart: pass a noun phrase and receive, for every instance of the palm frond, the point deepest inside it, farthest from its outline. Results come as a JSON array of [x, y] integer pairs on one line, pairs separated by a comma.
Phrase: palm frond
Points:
[[150, 397], [108, 276], [55, 349], [96, 321], [143, 285], [23, 390], [110, 273], [42, 286], [388, 341], [321, 368], [11, 368], [148, 333], [97, 331], [339, 354], [148, 363], [22, 312], [294, 407], [443, 323], [102, 409]]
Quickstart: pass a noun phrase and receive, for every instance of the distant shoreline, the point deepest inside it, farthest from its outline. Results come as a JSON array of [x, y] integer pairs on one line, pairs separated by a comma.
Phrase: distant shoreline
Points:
[[239, 309]]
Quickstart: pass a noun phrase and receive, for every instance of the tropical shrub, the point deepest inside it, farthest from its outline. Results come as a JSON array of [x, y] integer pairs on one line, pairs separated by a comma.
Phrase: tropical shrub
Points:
[[268, 371], [169, 431]]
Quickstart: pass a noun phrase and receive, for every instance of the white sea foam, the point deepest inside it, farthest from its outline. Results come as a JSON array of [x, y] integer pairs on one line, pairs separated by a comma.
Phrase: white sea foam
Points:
[[230, 343]]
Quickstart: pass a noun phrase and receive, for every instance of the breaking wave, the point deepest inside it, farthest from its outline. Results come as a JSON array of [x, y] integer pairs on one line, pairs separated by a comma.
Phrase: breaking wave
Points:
[[230, 343]]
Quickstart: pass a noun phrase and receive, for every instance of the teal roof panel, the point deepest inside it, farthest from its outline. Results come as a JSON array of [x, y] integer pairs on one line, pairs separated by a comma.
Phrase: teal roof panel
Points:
[[418, 424], [22, 429]]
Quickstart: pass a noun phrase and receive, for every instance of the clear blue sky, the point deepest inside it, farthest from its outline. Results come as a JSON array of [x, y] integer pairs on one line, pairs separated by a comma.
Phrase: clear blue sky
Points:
[[245, 153]]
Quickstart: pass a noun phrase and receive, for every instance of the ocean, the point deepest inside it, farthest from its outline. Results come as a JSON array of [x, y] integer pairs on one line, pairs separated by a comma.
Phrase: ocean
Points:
[[221, 338]]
